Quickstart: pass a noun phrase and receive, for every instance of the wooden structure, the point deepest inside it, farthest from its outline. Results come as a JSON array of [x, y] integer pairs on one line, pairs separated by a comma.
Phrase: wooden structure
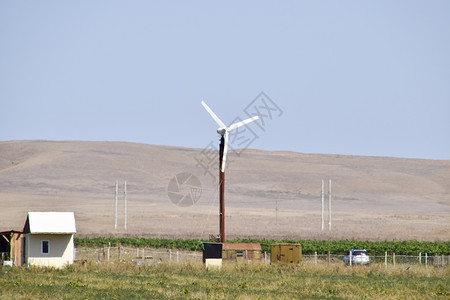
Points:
[[241, 251], [11, 247]]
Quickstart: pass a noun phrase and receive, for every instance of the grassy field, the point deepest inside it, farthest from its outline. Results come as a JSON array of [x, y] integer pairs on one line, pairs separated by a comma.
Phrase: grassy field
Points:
[[234, 281]]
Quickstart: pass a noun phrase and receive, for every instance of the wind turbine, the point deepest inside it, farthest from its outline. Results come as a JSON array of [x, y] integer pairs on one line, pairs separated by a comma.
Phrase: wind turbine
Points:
[[223, 130]]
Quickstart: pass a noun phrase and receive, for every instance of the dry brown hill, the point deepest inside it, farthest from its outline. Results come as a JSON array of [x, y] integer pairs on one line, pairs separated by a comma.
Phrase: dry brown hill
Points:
[[268, 194]]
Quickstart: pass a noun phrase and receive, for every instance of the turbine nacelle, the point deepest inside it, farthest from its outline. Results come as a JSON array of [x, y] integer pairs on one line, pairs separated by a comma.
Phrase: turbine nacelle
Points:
[[224, 130], [221, 131]]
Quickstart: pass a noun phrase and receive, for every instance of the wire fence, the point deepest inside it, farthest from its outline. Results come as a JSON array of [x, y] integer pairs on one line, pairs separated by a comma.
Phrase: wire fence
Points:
[[139, 256], [388, 259], [149, 256]]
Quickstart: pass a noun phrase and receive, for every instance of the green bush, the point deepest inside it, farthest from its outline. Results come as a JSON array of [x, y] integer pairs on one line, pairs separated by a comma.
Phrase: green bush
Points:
[[308, 246]]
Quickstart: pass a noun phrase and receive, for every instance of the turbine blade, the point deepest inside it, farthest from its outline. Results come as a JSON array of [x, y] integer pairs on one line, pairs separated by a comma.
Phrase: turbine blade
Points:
[[213, 115], [239, 124], [225, 149]]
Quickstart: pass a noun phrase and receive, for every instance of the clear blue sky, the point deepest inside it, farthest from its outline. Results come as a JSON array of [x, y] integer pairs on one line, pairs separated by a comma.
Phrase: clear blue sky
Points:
[[351, 77]]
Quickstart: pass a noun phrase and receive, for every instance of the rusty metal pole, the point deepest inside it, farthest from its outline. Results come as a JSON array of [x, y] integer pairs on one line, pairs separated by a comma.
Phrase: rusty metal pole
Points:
[[222, 193], [222, 207]]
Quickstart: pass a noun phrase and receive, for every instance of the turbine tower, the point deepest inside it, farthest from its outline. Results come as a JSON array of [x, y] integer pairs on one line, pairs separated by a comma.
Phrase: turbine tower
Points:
[[223, 130]]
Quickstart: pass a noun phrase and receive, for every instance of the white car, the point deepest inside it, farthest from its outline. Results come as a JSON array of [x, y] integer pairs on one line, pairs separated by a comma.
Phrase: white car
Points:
[[357, 257]]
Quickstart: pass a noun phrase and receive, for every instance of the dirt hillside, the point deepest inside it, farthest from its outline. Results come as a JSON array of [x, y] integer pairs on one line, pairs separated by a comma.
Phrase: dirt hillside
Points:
[[268, 194]]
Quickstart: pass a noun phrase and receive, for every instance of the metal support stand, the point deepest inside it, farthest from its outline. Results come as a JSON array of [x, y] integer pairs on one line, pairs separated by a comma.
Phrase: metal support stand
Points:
[[222, 193]]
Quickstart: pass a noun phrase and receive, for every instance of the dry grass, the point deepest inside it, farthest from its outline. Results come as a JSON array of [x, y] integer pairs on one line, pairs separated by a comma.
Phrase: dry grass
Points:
[[244, 281]]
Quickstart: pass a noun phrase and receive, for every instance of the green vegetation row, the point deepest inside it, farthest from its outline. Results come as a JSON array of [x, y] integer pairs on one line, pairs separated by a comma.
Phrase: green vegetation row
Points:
[[308, 246]]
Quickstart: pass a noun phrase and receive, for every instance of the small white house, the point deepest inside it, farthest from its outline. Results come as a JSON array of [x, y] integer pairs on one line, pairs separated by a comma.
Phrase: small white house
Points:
[[48, 239]]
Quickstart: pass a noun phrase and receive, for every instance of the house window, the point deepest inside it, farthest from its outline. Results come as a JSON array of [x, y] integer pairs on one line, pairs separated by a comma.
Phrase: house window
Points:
[[45, 247]]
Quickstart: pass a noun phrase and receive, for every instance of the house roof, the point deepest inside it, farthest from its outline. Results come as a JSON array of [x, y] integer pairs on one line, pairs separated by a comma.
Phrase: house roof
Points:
[[10, 231], [241, 246], [50, 222]]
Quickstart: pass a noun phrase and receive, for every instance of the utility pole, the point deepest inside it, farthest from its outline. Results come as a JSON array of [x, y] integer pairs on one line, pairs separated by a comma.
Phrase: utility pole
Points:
[[276, 212], [115, 215], [329, 205], [322, 195], [125, 208]]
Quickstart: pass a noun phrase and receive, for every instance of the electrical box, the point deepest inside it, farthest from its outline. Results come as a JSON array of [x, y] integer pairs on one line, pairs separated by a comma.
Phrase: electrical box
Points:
[[212, 250], [285, 253]]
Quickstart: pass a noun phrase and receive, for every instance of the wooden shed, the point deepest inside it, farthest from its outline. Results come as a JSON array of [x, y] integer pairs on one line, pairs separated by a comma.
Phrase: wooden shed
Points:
[[49, 239], [11, 247], [241, 251]]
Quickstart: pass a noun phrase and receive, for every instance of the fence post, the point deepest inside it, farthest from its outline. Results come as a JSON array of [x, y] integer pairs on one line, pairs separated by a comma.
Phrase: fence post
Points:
[[350, 261], [265, 257], [426, 260], [170, 255], [315, 258], [393, 259], [385, 259], [108, 253], [329, 258], [442, 260], [420, 258]]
